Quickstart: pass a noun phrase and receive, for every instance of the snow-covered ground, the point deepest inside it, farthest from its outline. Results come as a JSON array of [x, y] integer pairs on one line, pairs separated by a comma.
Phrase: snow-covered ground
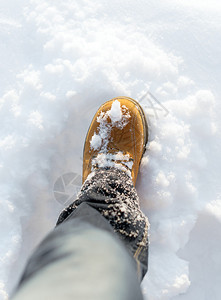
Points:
[[59, 61]]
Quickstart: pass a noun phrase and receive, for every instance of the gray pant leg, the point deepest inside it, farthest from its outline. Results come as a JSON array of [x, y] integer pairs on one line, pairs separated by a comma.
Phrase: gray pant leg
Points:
[[81, 259], [112, 193]]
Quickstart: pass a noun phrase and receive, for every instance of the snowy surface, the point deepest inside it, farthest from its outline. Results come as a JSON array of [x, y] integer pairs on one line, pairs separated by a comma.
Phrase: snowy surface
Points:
[[59, 61]]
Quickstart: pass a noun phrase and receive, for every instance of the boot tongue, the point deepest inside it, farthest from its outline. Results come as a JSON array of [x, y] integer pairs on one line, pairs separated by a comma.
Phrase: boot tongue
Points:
[[119, 160]]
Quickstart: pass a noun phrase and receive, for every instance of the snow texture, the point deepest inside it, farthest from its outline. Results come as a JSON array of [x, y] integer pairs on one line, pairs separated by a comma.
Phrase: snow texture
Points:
[[96, 141], [119, 160], [115, 113], [60, 60]]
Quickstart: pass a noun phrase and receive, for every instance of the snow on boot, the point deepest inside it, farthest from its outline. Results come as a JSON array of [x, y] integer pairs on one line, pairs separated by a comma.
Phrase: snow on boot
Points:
[[116, 137]]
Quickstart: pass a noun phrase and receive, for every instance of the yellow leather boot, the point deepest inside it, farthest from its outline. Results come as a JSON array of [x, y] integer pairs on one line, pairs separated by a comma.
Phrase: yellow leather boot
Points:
[[116, 137]]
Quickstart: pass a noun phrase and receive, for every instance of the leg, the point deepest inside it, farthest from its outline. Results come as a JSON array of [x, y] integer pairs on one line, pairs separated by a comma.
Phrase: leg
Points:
[[81, 259], [100, 243], [112, 193]]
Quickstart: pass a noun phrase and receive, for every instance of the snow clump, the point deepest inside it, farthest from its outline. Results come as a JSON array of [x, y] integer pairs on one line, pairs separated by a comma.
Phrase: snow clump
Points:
[[115, 112]]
